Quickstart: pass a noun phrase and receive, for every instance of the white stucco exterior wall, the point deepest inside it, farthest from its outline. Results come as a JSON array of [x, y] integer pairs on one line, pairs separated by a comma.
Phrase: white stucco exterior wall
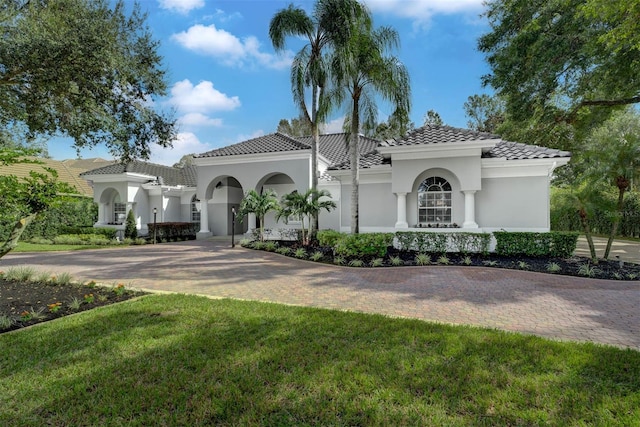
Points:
[[514, 203]]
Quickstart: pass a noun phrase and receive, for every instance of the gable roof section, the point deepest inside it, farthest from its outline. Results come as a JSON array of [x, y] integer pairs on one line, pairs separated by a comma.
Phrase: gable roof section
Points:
[[518, 151], [170, 175], [431, 134], [272, 143], [333, 146], [367, 161]]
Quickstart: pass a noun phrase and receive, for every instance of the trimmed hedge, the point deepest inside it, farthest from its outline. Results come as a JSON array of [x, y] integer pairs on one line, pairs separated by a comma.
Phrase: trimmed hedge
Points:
[[555, 243], [362, 245], [462, 242], [172, 231]]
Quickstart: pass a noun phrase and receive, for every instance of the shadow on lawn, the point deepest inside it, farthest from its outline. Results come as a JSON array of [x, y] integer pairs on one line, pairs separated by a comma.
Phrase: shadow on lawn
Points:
[[185, 360]]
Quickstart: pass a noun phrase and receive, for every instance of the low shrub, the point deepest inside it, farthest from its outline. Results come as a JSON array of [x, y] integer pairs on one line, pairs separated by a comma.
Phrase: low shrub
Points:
[[443, 242], [329, 237], [554, 243], [363, 245], [173, 231], [82, 239]]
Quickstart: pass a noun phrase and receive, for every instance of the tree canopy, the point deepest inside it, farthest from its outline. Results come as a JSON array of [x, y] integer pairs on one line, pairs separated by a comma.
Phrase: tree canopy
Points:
[[295, 127], [551, 59], [83, 69]]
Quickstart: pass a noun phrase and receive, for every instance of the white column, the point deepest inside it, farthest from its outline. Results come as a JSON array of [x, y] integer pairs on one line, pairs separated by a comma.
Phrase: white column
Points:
[[402, 211], [204, 216], [252, 222], [102, 213], [469, 209]]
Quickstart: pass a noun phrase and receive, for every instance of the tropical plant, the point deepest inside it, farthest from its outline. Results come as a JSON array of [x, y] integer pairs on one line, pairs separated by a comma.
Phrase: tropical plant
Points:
[[327, 27], [422, 259], [362, 71], [612, 154], [396, 261], [304, 206], [258, 204]]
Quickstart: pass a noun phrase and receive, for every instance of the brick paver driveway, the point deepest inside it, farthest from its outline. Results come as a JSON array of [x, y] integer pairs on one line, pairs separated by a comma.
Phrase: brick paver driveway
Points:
[[559, 307]]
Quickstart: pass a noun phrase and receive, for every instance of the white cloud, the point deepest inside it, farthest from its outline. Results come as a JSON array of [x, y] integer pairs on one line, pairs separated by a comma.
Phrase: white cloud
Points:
[[186, 143], [229, 49], [334, 126], [421, 11], [181, 6], [254, 134], [199, 119], [201, 98]]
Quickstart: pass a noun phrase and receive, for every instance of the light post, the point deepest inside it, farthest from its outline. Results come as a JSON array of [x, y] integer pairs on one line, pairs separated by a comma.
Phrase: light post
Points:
[[155, 213], [233, 226]]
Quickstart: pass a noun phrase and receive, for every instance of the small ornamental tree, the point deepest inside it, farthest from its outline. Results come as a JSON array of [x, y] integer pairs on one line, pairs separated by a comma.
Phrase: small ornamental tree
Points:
[[258, 204], [130, 230], [301, 206], [23, 199]]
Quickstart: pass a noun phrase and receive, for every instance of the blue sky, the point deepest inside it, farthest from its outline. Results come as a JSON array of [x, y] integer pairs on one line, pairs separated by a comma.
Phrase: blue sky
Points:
[[226, 83]]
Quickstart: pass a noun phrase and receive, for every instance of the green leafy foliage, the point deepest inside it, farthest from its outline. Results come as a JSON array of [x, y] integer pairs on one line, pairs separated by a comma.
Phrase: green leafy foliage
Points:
[[329, 237], [364, 245], [130, 231], [85, 69], [552, 58], [462, 242], [554, 244]]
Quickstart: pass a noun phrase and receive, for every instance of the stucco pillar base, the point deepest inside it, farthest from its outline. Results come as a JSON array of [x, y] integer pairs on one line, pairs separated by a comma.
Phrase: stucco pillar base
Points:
[[401, 211], [204, 218], [202, 235], [469, 209]]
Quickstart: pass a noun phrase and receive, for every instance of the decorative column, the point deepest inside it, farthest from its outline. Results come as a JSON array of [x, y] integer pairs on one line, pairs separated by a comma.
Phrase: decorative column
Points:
[[402, 211], [204, 216], [469, 209], [252, 222]]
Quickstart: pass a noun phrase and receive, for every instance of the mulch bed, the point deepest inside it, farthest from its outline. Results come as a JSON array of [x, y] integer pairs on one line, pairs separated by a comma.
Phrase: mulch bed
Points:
[[19, 301]]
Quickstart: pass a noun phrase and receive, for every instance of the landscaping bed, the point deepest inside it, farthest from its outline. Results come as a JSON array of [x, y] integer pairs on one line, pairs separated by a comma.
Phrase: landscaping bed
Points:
[[571, 266], [25, 303]]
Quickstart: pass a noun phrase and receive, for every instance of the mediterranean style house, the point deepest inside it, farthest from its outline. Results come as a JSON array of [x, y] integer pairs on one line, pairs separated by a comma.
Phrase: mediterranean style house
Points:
[[434, 178]]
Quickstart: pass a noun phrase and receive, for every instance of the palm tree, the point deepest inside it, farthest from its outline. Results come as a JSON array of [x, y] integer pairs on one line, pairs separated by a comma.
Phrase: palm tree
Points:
[[301, 206], [362, 71], [260, 205], [613, 153], [328, 27]]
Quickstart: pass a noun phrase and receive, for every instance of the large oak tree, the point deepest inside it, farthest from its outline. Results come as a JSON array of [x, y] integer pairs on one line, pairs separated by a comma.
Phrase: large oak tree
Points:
[[84, 69], [558, 61]]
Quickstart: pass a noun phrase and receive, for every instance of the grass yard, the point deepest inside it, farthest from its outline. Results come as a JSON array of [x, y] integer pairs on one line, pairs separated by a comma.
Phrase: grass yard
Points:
[[186, 360], [34, 247]]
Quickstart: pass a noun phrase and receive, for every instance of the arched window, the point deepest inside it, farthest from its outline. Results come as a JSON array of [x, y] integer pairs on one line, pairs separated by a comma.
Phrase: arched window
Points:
[[195, 209], [434, 201]]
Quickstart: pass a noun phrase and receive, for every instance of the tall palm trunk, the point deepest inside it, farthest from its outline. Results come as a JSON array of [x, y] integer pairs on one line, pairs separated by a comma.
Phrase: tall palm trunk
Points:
[[622, 184], [314, 150], [355, 164]]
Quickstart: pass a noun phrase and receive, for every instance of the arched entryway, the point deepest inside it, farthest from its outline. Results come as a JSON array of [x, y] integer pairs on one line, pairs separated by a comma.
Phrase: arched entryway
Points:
[[221, 195]]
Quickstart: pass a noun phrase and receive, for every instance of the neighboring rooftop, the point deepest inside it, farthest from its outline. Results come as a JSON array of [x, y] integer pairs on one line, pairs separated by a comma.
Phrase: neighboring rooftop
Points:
[[333, 146], [170, 175], [68, 171]]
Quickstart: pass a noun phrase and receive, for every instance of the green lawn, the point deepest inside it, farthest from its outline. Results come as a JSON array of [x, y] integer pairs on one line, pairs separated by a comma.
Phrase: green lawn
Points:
[[33, 247], [186, 360]]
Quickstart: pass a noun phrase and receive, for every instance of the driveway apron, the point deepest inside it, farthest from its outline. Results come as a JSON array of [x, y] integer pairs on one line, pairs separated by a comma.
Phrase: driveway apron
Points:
[[553, 306]]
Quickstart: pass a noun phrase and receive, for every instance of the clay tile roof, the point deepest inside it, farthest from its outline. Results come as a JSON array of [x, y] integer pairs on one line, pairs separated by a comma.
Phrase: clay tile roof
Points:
[[272, 143], [518, 151], [367, 160], [431, 134], [333, 146], [170, 175]]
